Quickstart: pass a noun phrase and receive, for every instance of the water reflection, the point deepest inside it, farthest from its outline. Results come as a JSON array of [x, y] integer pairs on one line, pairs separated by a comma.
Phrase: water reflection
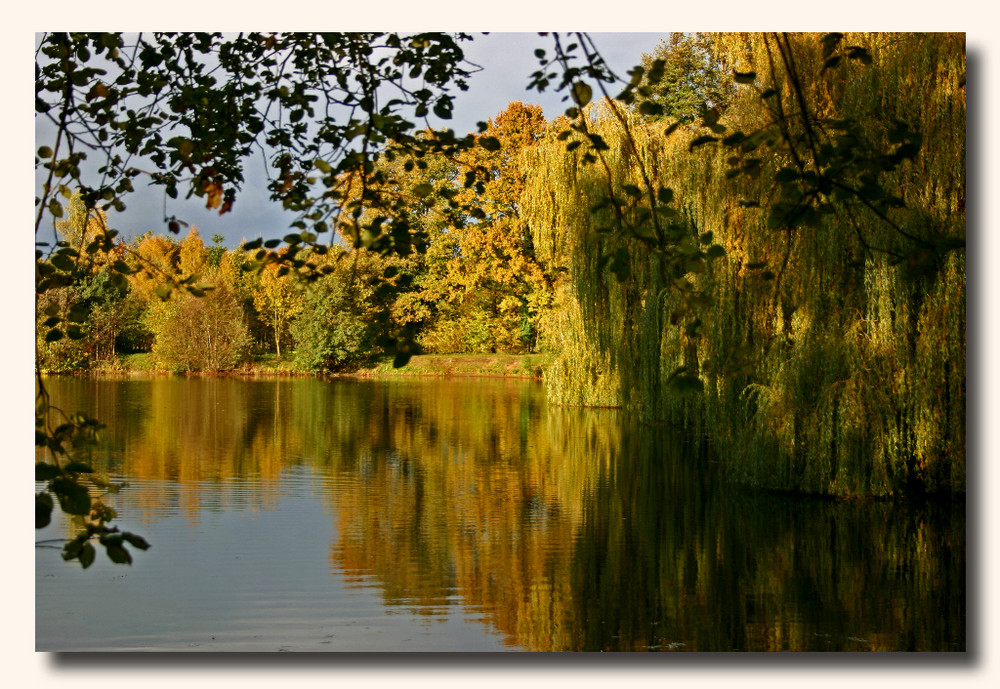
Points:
[[561, 529]]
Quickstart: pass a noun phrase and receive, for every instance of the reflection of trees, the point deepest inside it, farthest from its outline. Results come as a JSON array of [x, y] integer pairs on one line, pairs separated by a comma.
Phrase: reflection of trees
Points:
[[566, 529], [569, 530], [190, 431]]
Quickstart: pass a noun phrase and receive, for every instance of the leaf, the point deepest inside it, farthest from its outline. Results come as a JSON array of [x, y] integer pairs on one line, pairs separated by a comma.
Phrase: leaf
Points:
[[43, 510], [732, 140], [786, 174], [744, 77], [118, 554], [597, 142], [490, 143], [71, 549], [54, 335], [701, 141], [44, 152], [87, 555], [443, 108], [582, 93], [45, 471], [75, 468], [830, 42], [856, 52], [423, 190], [649, 108], [136, 540], [73, 497]]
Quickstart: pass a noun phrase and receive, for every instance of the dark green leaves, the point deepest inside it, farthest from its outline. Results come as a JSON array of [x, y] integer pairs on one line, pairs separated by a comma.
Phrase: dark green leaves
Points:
[[45, 471], [86, 555], [582, 93], [830, 42], [43, 509], [76, 546], [701, 141], [118, 554], [135, 540], [649, 108], [422, 190], [73, 497]]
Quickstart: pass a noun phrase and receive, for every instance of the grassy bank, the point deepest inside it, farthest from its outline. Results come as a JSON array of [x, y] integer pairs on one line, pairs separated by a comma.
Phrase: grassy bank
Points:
[[494, 365], [491, 365]]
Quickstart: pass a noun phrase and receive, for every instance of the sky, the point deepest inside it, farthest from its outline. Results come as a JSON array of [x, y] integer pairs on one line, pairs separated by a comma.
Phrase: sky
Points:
[[507, 60]]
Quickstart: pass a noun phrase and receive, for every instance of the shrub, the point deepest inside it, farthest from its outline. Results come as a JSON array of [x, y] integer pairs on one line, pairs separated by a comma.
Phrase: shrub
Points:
[[206, 333]]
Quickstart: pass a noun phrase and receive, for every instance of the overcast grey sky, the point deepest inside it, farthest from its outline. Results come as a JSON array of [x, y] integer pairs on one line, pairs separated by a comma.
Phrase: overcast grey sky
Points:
[[507, 60]]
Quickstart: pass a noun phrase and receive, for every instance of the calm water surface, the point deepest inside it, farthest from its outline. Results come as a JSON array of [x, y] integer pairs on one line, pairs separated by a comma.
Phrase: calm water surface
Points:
[[453, 515]]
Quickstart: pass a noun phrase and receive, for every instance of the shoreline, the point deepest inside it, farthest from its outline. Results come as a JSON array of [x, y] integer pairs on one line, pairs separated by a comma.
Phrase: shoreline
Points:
[[514, 366]]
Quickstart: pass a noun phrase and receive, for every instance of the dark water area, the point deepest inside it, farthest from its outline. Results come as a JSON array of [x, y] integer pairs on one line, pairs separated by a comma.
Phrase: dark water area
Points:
[[469, 514]]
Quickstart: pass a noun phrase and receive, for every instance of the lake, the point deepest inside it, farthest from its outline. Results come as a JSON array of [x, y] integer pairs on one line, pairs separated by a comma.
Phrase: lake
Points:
[[469, 515]]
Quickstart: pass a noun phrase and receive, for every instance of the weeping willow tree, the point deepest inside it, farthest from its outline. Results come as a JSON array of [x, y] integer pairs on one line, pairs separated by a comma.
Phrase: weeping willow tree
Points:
[[786, 278]]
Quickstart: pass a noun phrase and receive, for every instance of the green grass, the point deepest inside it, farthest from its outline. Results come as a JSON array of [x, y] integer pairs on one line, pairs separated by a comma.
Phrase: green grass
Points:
[[493, 365], [513, 365]]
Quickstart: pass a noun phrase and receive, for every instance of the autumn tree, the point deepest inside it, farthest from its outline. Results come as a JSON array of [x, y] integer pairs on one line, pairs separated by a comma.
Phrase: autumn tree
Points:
[[207, 333], [343, 313], [89, 305], [486, 285], [685, 75], [193, 257], [277, 302]]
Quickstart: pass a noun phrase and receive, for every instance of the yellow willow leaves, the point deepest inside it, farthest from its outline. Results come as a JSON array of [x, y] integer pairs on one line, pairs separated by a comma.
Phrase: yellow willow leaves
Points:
[[791, 401]]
